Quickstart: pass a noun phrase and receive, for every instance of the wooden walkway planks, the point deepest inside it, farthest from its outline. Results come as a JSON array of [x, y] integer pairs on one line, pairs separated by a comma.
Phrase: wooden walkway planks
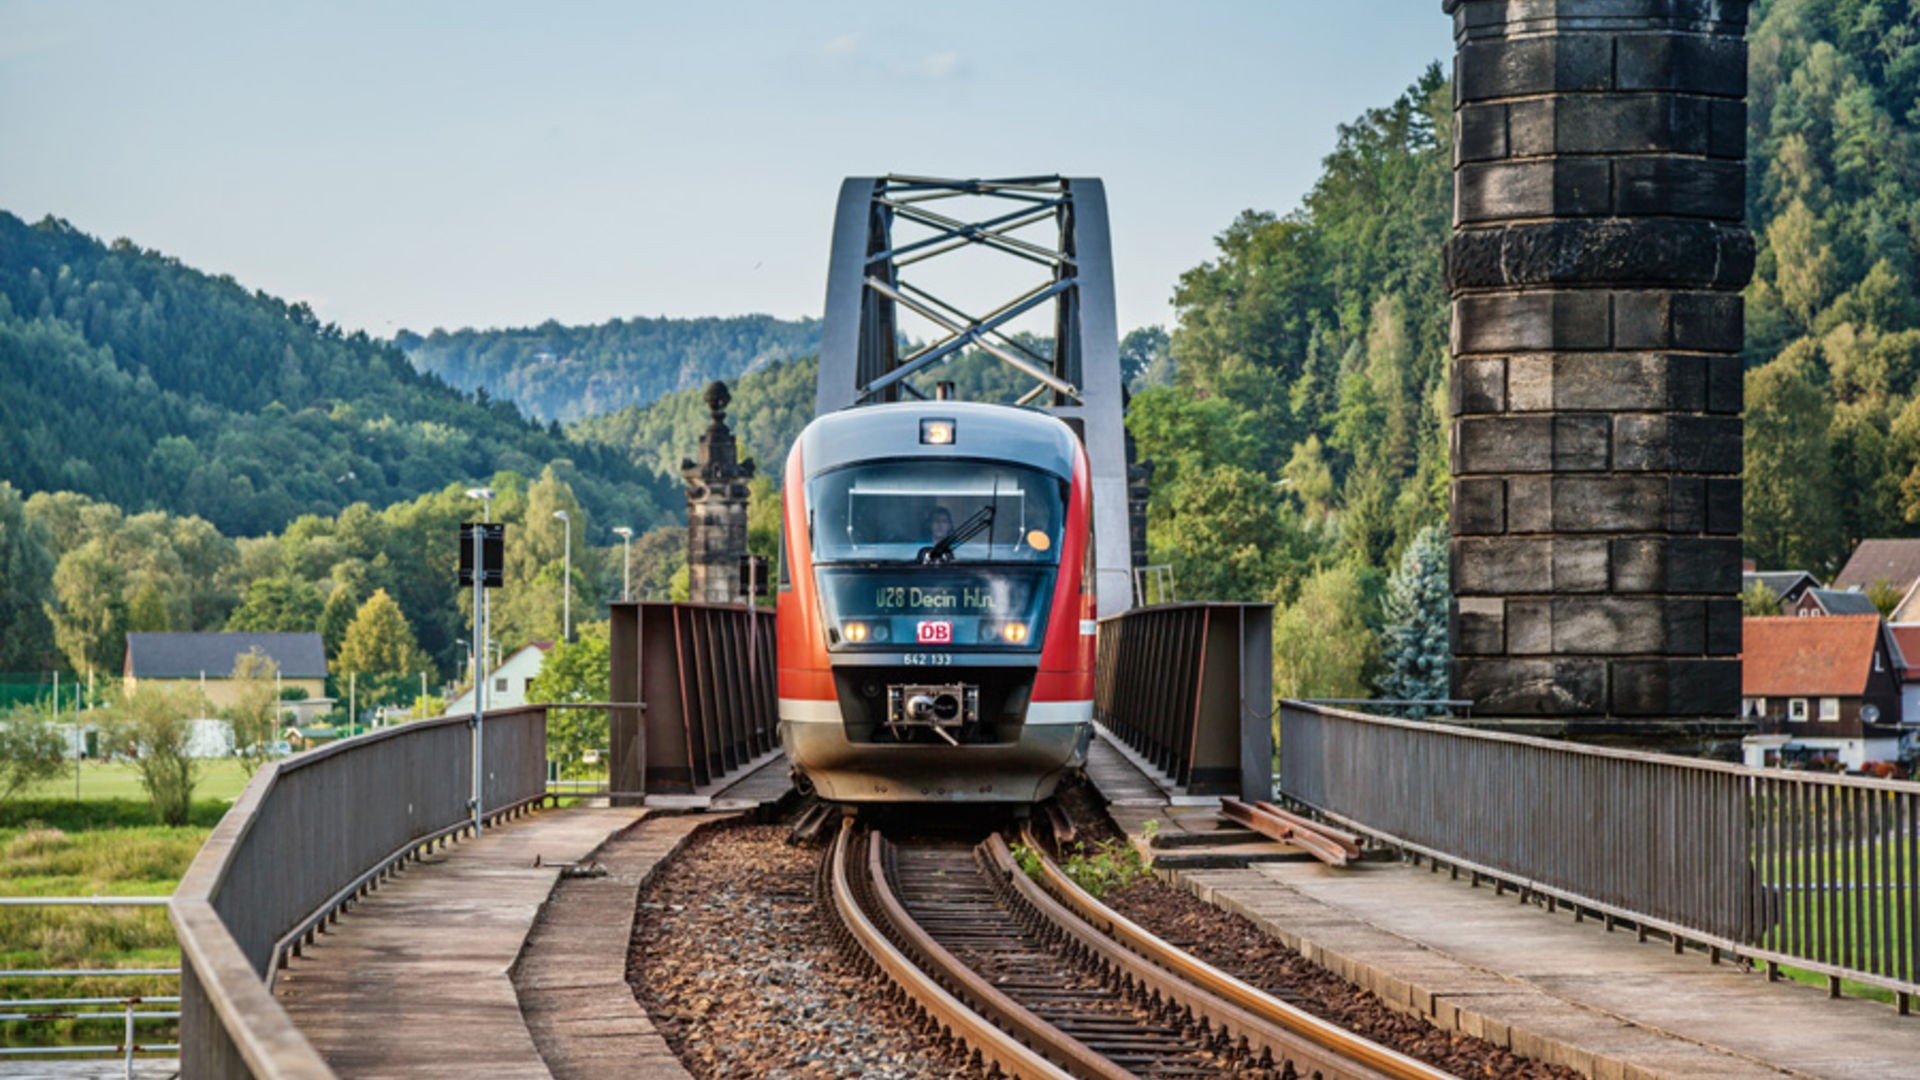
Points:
[[414, 980], [572, 976]]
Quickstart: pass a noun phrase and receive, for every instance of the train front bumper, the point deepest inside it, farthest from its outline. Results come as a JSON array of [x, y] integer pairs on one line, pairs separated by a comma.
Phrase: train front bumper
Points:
[[1027, 769]]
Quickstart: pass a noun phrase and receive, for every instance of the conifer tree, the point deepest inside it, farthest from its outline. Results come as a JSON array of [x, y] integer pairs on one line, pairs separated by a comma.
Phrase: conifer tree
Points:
[[1414, 648]]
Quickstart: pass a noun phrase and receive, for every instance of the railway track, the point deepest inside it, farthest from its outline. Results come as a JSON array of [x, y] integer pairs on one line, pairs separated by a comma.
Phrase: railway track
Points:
[[1043, 981]]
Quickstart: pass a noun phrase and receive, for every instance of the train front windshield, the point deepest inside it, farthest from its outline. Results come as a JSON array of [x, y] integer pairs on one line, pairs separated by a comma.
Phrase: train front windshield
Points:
[[947, 553]]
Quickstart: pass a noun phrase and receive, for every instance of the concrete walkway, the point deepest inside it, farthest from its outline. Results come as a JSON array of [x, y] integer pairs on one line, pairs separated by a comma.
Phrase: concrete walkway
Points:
[[415, 979], [1568, 993], [1565, 992]]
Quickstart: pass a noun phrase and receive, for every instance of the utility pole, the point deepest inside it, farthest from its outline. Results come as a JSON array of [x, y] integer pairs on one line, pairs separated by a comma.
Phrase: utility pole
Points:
[[485, 495], [566, 580], [626, 562]]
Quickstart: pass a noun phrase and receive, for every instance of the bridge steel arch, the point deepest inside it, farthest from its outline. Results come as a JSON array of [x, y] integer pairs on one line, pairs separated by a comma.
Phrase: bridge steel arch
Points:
[[863, 359]]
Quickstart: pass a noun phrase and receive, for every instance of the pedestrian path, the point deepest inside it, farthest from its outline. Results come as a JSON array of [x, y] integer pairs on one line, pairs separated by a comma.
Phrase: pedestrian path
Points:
[[415, 979]]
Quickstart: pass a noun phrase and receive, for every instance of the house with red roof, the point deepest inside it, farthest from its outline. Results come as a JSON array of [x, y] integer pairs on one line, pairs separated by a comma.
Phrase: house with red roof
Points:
[[1907, 637], [1821, 690]]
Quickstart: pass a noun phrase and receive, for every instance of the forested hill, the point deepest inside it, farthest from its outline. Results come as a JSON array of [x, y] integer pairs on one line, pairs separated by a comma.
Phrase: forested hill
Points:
[[565, 373], [136, 380]]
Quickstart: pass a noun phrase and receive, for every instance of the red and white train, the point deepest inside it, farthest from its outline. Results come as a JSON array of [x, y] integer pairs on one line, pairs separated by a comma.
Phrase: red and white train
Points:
[[936, 604]]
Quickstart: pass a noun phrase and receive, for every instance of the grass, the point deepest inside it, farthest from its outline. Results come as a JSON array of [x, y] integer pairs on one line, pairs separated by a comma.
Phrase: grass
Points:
[[106, 844], [220, 779], [1837, 912]]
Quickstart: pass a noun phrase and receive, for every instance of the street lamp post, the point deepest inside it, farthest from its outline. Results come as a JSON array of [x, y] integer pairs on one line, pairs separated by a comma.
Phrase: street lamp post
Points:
[[566, 582], [626, 561], [485, 495]]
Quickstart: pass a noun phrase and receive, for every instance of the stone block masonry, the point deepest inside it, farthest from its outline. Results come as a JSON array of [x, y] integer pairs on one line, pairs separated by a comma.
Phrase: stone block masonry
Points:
[[717, 503], [1596, 263]]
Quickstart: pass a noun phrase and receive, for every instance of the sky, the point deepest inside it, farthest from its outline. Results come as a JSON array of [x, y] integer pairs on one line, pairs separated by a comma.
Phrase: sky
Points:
[[438, 164]]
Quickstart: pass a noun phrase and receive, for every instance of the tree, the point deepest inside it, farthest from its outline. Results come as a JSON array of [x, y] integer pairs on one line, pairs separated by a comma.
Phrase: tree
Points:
[[577, 670], [379, 641], [335, 617], [1228, 535], [1415, 651], [89, 616], [255, 713], [148, 611], [278, 605], [1789, 501], [32, 750], [26, 586], [1146, 358], [1756, 600], [1322, 646], [1884, 597], [154, 727]]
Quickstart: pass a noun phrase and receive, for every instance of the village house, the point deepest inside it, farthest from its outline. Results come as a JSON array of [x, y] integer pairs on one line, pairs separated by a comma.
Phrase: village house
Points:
[[1895, 562], [1833, 602], [205, 661], [1787, 586], [1821, 690], [508, 681]]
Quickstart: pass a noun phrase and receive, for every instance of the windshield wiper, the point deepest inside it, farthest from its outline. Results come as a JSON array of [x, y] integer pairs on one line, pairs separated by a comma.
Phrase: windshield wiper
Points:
[[942, 550]]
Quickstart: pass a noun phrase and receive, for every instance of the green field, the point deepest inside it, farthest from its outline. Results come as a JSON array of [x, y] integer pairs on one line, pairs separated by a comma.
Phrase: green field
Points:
[[106, 844], [220, 779], [1835, 915]]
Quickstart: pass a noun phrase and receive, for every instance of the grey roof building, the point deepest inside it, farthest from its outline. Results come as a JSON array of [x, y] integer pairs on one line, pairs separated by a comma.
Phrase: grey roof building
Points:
[[1835, 602], [1787, 586], [183, 656]]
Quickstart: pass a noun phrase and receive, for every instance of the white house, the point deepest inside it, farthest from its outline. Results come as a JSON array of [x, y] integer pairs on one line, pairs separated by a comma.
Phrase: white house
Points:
[[508, 682]]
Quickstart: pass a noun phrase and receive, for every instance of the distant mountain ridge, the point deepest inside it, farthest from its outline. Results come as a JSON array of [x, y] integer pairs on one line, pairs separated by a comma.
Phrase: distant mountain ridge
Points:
[[569, 373], [135, 379]]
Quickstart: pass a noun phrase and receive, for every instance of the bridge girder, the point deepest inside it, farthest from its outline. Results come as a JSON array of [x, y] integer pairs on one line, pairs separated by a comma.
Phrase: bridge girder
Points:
[[871, 283]]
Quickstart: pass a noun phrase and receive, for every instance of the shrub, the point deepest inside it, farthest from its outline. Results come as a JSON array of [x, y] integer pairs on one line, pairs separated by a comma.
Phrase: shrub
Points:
[[153, 726], [31, 750]]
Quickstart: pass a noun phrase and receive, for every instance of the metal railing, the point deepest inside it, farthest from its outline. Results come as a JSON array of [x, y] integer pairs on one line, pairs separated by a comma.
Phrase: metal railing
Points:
[[1812, 871], [703, 679], [308, 835], [127, 1012], [1189, 687]]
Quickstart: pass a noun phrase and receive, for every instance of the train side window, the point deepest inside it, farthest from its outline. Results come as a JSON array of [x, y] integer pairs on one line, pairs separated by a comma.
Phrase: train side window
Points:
[[1091, 565], [784, 575]]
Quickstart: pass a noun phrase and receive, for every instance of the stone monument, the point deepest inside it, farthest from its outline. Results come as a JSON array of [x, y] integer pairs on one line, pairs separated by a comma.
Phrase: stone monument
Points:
[[716, 509], [1596, 262]]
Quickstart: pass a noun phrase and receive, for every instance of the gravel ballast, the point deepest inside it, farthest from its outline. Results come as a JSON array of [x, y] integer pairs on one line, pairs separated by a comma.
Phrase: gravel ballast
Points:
[[742, 978]]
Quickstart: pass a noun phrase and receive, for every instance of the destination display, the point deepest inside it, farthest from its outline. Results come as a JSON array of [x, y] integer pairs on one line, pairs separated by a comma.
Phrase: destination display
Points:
[[873, 607]]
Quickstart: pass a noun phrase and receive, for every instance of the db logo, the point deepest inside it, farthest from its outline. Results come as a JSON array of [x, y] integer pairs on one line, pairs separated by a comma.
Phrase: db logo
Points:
[[936, 633]]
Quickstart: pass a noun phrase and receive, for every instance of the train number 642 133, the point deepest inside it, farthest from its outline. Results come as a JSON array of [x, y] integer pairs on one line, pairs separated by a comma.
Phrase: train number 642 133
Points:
[[929, 659]]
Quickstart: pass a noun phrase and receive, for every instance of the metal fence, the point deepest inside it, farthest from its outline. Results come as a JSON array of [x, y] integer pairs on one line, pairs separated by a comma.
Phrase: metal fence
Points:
[[1176, 682], [308, 835], [703, 678], [1814, 871]]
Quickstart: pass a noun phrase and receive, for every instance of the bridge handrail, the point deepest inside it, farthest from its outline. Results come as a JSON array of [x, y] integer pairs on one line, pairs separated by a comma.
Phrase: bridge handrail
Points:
[[1814, 871], [243, 895]]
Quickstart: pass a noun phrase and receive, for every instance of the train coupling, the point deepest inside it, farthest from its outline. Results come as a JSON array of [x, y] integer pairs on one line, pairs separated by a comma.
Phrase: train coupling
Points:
[[934, 707]]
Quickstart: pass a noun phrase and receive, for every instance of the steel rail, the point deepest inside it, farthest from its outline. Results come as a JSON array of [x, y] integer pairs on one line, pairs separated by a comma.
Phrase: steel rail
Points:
[[1027, 1026], [992, 1044], [1335, 847], [1289, 1033]]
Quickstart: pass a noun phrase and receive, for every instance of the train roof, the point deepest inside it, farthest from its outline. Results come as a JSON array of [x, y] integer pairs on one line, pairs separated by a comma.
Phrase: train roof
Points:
[[995, 432]]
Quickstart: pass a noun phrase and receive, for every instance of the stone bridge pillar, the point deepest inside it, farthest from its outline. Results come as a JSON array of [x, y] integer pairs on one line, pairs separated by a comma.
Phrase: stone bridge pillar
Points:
[[1595, 266], [716, 509]]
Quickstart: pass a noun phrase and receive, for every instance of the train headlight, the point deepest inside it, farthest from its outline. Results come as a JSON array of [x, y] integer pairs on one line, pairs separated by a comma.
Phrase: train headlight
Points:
[[937, 432], [855, 632], [1015, 633]]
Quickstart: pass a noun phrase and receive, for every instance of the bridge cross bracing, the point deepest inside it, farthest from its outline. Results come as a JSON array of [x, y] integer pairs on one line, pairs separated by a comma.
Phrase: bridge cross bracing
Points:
[[1002, 266]]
